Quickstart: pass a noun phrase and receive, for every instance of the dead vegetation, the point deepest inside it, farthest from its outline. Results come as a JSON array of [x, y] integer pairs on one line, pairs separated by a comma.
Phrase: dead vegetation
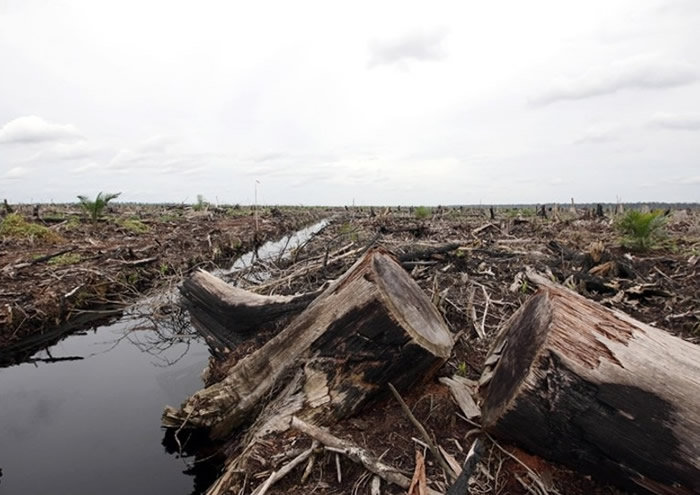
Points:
[[60, 269], [474, 272]]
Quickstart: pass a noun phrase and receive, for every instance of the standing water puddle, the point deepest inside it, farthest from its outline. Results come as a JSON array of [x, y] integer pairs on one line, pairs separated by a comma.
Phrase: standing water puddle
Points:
[[83, 417]]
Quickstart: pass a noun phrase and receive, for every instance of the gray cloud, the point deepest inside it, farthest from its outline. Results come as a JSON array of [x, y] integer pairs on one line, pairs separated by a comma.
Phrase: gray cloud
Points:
[[640, 72], [676, 121], [690, 181], [420, 46], [33, 129]]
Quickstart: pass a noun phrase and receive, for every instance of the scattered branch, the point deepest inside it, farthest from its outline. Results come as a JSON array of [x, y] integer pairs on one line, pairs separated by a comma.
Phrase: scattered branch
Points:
[[355, 453], [428, 440]]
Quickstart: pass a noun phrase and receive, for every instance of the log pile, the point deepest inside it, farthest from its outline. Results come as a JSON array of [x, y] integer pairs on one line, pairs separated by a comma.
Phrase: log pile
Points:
[[371, 327], [567, 378]]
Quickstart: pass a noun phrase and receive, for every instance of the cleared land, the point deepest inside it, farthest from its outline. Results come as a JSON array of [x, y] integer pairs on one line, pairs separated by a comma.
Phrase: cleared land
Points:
[[59, 271], [473, 269]]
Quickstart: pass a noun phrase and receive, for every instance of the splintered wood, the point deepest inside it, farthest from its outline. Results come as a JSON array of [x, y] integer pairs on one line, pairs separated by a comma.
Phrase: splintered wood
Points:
[[581, 384], [372, 326]]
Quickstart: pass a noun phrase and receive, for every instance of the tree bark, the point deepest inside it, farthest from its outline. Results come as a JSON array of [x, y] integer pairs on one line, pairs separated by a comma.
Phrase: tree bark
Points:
[[226, 315], [372, 326], [577, 383]]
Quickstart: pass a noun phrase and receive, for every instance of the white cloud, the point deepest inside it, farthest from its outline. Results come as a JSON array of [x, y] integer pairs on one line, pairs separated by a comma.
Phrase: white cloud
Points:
[[598, 134], [85, 168], [312, 113], [155, 144], [417, 45], [153, 152], [156, 155], [33, 129], [558, 181], [16, 173], [75, 150], [676, 121], [194, 171], [124, 158], [640, 72], [679, 7]]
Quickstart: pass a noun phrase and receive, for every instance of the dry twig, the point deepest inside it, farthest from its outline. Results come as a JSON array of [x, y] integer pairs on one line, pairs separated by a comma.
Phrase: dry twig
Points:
[[451, 476]]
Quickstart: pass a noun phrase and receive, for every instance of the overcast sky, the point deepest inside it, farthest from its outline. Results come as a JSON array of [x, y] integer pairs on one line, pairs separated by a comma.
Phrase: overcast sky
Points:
[[326, 102]]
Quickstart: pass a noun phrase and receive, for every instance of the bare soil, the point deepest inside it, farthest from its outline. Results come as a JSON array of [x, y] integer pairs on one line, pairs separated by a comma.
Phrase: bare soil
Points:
[[476, 287], [108, 265]]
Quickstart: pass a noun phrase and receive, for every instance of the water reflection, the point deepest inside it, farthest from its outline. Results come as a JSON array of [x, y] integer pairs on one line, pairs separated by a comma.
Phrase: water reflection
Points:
[[90, 422], [273, 251], [84, 415]]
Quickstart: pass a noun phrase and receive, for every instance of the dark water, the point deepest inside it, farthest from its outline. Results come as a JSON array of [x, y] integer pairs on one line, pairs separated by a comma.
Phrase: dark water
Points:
[[83, 417], [92, 426]]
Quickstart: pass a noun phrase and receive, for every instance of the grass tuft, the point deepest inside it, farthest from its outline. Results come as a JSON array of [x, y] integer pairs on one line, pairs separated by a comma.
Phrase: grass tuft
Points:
[[65, 259], [15, 226], [134, 225]]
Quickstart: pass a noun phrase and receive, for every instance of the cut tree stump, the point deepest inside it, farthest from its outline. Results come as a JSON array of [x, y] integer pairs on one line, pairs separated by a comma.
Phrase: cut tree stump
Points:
[[226, 315], [577, 383], [372, 326]]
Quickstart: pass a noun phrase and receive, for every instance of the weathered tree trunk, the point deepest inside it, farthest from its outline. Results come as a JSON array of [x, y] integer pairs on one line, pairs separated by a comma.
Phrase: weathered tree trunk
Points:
[[226, 315], [584, 385], [372, 326]]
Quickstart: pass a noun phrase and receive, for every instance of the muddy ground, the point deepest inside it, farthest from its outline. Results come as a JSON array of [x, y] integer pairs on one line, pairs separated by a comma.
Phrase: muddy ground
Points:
[[476, 287], [59, 270]]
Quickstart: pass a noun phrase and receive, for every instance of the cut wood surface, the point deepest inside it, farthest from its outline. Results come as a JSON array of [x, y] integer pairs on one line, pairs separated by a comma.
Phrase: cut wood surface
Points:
[[372, 326], [227, 315], [575, 382]]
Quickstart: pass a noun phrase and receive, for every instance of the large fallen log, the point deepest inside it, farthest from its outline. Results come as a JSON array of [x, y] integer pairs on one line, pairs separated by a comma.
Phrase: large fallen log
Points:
[[227, 315], [577, 383], [372, 326]]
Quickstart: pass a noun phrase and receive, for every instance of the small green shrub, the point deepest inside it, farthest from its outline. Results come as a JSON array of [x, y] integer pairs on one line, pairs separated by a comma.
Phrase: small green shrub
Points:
[[201, 203], [421, 213], [462, 369], [14, 225], [641, 231], [96, 208]]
